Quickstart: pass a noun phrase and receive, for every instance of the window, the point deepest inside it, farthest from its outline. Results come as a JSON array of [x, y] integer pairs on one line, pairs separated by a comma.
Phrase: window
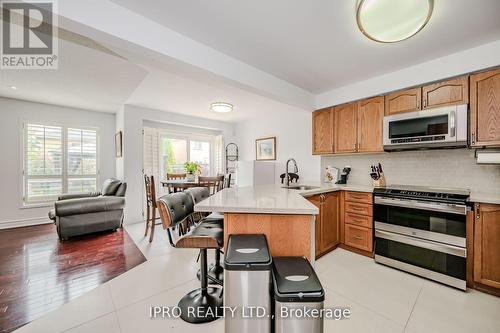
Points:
[[58, 160], [175, 151]]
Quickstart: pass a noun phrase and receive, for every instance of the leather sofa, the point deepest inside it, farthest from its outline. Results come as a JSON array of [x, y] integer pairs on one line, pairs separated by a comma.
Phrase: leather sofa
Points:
[[84, 213]]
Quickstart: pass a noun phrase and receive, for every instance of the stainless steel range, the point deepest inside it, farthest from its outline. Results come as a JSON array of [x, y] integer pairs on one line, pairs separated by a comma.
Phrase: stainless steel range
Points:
[[422, 231]]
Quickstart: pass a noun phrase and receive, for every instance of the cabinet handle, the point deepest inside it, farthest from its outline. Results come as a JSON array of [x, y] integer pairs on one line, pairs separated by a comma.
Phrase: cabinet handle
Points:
[[418, 105], [425, 103], [358, 237], [478, 214], [473, 138]]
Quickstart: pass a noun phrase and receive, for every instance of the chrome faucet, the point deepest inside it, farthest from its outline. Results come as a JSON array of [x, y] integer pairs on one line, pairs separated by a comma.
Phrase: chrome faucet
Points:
[[295, 169]]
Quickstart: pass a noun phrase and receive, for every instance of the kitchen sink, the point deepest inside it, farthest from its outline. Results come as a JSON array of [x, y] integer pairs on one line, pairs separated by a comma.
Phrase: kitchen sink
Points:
[[301, 187]]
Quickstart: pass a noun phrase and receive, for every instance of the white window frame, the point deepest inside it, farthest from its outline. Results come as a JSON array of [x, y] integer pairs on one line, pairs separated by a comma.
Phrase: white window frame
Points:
[[188, 137], [64, 147]]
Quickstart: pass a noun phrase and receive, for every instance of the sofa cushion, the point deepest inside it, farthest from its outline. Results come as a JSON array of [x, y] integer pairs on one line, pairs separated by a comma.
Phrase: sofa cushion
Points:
[[122, 189], [110, 186]]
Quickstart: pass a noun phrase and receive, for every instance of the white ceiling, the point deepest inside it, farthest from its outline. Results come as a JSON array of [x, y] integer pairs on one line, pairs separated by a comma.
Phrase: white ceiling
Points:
[[86, 78], [316, 45]]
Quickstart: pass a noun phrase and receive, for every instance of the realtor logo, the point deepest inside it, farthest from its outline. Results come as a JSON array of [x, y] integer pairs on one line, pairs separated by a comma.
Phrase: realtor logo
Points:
[[28, 39]]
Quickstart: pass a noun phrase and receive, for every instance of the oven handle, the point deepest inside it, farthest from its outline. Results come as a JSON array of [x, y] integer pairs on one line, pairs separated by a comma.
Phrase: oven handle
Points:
[[439, 247], [433, 206]]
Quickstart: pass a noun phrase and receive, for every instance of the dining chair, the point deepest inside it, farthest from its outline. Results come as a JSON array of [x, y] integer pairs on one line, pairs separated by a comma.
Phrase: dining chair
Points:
[[149, 182], [172, 176], [214, 184]]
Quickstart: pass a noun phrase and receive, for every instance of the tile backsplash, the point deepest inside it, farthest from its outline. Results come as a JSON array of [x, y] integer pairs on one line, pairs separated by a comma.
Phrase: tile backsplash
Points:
[[439, 168]]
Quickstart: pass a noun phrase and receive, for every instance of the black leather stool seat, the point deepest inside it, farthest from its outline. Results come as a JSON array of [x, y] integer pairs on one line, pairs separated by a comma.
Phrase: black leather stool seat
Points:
[[208, 236]]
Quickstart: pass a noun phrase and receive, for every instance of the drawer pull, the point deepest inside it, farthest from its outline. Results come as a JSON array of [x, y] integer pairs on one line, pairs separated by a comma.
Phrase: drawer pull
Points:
[[358, 237]]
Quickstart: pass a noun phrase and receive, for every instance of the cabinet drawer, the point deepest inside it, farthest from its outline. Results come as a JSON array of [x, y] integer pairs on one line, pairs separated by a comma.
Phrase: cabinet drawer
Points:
[[358, 197], [358, 237], [360, 220], [358, 208]]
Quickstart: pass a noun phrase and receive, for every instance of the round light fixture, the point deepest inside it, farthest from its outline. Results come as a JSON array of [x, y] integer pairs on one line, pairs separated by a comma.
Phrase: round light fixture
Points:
[[221, 107], [390, 21], [13, 87]]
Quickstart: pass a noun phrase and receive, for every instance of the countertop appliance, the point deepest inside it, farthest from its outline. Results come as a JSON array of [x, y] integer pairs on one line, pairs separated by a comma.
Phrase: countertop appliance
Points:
[[422, 231], [432, 128]]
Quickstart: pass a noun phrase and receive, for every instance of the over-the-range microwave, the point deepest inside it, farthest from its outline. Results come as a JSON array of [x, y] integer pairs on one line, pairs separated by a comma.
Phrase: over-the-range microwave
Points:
[[440, 127]]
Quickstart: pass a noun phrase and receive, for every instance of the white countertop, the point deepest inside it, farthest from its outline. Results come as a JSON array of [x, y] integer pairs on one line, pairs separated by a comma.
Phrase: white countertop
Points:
[[485, 197], [270, 199]]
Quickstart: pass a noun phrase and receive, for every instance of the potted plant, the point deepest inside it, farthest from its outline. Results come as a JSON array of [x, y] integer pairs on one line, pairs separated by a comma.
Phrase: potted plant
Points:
[[191, 169]]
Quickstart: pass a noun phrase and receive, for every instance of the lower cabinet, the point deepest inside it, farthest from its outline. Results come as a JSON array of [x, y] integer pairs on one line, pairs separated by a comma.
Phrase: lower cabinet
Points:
[[487, 247], [327, 227], [358, 221]]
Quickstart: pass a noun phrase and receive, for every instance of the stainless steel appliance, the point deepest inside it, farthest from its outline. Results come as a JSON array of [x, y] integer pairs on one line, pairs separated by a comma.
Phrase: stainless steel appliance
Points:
[[422, 231], [440, 127]]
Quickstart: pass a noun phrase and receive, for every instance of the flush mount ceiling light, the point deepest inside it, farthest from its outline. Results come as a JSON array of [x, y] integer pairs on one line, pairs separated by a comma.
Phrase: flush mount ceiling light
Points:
[[12, 87], [390, 21], [221, 107]]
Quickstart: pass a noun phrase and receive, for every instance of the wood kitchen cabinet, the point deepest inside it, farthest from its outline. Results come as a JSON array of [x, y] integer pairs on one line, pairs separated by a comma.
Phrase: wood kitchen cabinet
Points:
[[485, 109], [370, 125], [487, 247], [327, 232], [322, 129], [346, 129], [450, 92], [408, 100], [357, 222]]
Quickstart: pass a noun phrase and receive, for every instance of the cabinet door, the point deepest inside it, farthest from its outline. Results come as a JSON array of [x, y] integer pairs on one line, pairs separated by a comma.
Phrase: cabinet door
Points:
[[322, 131], [317, 200], [330, 221], [403, 101], [371, 124], [485, 108], [346, 128], [451, 92], [487, 245]]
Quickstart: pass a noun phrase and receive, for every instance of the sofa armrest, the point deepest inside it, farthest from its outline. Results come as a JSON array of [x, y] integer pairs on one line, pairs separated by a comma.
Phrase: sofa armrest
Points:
[[88, 205], [78, 195]]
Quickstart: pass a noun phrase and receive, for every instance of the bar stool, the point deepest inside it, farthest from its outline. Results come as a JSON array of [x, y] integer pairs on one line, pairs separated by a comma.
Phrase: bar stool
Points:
[[199, 194], [176, 211]]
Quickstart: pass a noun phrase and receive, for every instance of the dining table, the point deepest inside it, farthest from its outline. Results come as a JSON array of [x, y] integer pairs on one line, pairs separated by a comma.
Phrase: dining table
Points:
[[179, 184]]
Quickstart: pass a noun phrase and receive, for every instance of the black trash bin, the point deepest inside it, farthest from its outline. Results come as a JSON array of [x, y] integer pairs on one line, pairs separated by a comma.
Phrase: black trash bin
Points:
[[297, 292]]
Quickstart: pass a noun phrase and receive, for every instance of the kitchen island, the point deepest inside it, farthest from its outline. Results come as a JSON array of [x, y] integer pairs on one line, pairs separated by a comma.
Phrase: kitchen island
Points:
[[284, 215]]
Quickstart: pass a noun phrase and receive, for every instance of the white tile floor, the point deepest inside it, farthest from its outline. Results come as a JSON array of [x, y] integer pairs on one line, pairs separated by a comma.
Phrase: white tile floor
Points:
[[381, 299]]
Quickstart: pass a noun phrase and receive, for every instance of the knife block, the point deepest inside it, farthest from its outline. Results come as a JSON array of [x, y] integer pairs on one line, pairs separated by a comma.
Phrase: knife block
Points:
[[379, 182]]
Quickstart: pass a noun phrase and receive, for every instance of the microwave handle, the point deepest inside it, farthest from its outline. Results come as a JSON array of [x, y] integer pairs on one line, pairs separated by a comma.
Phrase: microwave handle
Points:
[[453, 129]]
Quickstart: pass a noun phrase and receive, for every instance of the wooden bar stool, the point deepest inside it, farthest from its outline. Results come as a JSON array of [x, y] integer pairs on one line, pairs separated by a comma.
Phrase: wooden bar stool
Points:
[[176, 210]]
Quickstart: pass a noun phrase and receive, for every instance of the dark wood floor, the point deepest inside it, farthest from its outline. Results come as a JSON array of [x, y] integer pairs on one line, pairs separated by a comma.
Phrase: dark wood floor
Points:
[[38, 273]]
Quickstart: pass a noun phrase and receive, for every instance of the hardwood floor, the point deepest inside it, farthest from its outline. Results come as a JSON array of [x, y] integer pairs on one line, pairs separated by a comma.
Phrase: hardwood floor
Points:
[[38, 273]]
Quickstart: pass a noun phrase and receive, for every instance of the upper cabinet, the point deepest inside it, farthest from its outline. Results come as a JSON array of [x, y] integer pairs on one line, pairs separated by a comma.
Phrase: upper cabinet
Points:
[[370, 124], [485, 109], [346, 136], [322, 129], [403, 101], [451, 92]]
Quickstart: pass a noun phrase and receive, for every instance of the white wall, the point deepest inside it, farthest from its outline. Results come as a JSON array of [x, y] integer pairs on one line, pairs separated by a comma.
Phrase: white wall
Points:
[[437, 168], [467, 61], [292, 129], [131, 120], [12, 115]]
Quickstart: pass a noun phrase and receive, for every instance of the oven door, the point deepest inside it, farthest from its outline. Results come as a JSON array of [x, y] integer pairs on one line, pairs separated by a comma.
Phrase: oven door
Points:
[[436, 261], [439, 222]]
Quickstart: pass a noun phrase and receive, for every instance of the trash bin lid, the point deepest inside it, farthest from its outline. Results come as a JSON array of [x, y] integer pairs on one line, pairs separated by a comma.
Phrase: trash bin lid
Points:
[[247, 253], [296, 281]]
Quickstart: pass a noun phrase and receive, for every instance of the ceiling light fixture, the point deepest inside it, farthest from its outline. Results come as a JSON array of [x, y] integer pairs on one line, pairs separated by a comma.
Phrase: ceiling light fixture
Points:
[[221, 107], [13, 87], [390, 21]]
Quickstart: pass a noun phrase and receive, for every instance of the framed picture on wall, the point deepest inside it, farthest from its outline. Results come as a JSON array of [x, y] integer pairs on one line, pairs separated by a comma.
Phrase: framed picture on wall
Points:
[[265, 149], [118, 144]]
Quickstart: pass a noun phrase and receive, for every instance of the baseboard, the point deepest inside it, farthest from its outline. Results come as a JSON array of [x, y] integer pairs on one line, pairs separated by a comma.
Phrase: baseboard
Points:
[[24, 222]]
